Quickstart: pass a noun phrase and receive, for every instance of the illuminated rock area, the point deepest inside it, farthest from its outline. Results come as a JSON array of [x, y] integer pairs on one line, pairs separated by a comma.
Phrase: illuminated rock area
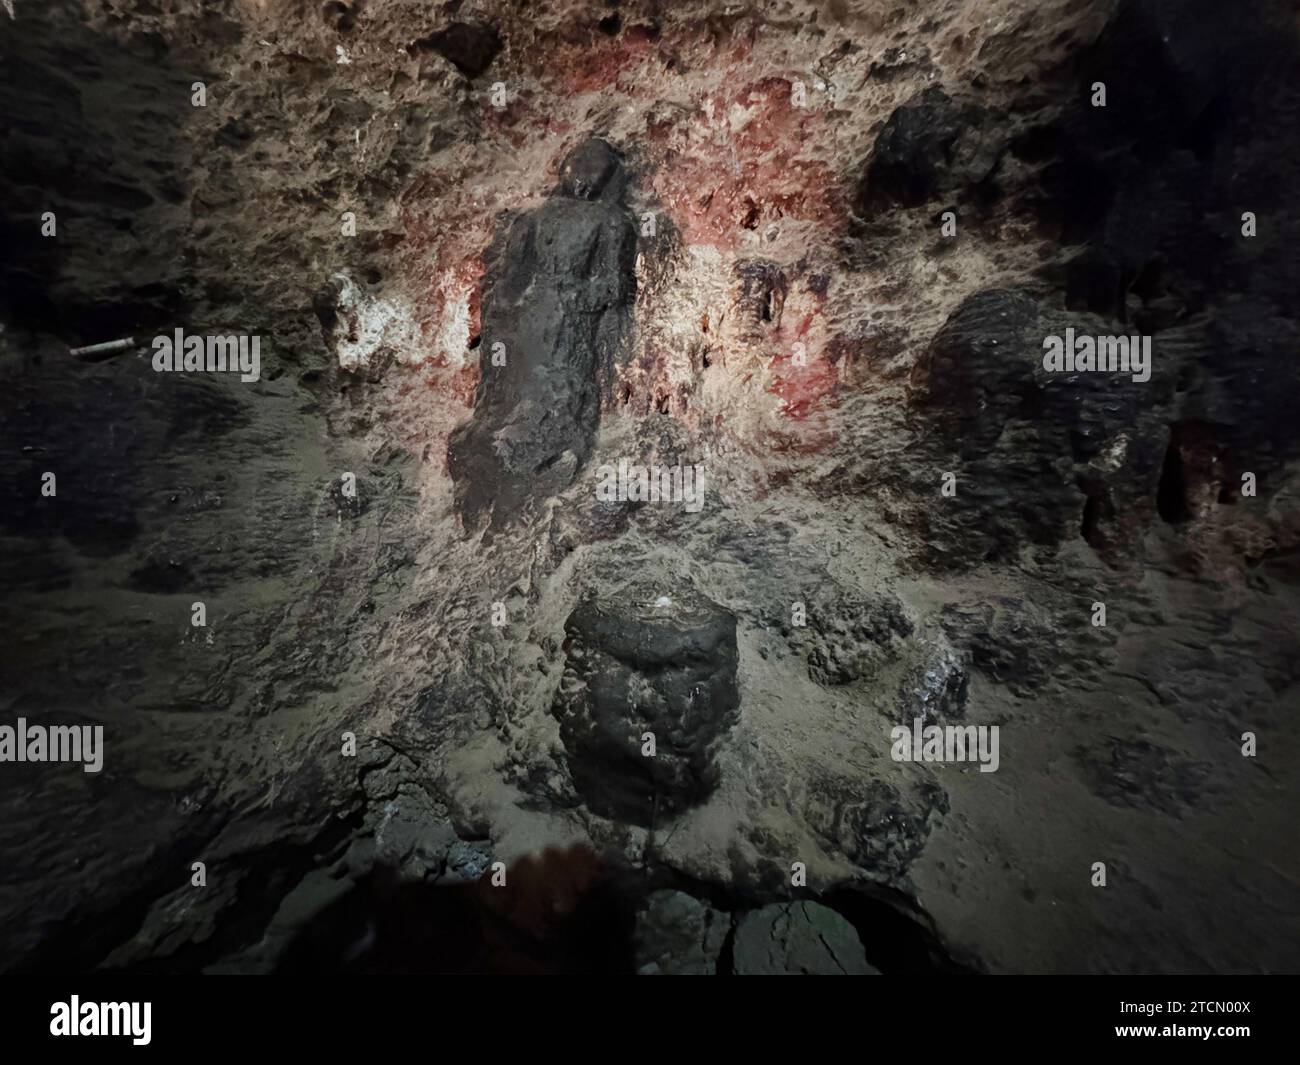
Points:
[[804, 487]]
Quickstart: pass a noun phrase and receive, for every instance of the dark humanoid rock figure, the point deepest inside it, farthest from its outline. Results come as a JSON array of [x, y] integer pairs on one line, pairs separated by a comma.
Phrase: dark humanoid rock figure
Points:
[[556, 306]]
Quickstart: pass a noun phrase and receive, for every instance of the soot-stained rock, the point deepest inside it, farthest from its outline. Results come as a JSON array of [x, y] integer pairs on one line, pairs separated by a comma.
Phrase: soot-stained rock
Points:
[[67, 419], [159, 575], [678, 935], [1099, 453], [879, 827], [1086, 447], [656, 660], [1241, 386], [760, 298], [799, 938], [556, 307], [930, 147], [847, 640], [1176, 65], [1156, 181]]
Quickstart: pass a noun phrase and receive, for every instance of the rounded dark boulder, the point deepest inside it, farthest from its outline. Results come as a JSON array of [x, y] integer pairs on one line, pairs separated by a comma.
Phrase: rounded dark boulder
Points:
[[648, 660]]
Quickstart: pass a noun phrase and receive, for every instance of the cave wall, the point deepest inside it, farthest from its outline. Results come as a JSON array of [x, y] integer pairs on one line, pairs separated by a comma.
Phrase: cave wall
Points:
[[800, 325]]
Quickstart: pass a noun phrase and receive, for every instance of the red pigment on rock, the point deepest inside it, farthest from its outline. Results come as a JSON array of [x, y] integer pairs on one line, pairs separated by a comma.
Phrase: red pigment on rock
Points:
[[463, 384], [602, 62], [803, 389], [718, 179], [813, 386]]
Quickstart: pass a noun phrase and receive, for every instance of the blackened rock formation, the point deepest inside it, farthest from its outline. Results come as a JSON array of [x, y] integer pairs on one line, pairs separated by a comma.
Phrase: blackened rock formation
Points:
[[1176, 72], [879, 826], [763, 288], [1241, 389], [1101, 455], [100, 161], [930, 147], [556, 306], [470, 47], [847, 640], [1086, 447], [1171, 189], [662, 662]]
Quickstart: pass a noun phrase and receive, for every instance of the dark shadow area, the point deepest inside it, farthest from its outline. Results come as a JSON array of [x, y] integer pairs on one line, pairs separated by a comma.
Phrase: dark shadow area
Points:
[[93, 136], [899, 938], [561, 913]]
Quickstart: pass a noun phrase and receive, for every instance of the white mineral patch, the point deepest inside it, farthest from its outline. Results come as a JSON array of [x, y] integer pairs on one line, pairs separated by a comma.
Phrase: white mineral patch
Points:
[[739, 117], [453, 337], [369, 324]]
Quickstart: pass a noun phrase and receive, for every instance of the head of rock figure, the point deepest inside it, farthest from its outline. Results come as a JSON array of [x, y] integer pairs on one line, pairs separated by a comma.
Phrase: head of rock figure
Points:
[[588, 168]]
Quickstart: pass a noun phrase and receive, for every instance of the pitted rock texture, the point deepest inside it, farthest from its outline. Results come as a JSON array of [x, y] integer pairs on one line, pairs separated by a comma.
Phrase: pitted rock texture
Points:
[[647, 660], [847, 640], [827, 359], [879, 826]]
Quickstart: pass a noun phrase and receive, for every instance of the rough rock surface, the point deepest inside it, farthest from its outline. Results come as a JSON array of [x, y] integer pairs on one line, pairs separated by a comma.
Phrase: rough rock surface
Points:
[[847, 641], [348, 190], [878, 826], [647, 665]]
